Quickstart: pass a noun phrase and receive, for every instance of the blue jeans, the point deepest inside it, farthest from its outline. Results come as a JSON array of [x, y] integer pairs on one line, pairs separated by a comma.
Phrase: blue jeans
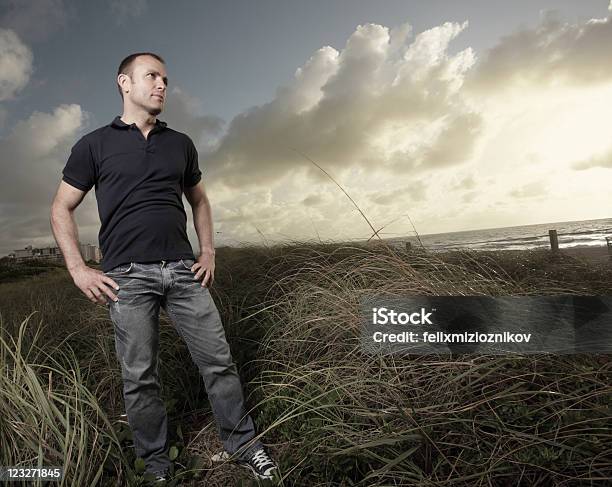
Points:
[[144, 287]]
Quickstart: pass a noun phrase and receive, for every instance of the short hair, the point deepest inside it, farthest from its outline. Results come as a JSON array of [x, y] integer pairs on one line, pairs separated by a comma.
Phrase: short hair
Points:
[[126, 65]]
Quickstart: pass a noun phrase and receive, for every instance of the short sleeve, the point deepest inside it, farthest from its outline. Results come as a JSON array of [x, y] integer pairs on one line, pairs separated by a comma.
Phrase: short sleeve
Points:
[[192, 170], [80, 170]]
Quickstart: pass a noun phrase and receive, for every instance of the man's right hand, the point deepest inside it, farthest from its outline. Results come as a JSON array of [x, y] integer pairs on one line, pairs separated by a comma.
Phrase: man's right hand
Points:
[[94, 284]]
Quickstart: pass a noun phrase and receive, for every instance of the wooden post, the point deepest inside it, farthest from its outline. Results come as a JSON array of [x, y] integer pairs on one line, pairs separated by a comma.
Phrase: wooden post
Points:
[[408, 246], [609, 244], [554, 241]]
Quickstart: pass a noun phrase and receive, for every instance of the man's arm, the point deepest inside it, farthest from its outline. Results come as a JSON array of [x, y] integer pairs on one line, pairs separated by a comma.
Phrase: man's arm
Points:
[[64, 226], [91, 282], [202, 221]]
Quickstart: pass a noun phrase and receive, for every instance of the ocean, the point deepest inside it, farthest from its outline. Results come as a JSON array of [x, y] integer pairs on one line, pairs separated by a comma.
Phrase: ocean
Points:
[[585, 233]]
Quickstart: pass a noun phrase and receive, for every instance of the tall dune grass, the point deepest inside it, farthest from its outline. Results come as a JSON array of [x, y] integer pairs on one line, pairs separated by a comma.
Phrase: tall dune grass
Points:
[[49, 416], [331, 414], [343, 417]]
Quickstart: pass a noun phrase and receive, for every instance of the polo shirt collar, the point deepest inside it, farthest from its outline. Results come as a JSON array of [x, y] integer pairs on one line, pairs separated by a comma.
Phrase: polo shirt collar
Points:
[[118, 123]]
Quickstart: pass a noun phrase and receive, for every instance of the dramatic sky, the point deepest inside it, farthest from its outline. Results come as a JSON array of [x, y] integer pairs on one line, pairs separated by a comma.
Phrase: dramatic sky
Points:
[[457, 115]]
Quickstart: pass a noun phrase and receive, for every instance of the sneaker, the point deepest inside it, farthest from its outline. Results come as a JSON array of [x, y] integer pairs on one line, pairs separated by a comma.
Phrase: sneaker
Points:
[[260, 464], [222, 456], [156, 479]]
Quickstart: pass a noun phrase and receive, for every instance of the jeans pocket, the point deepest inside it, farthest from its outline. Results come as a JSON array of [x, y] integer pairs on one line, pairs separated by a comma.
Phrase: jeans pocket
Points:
[[121, 269], [187, 263]]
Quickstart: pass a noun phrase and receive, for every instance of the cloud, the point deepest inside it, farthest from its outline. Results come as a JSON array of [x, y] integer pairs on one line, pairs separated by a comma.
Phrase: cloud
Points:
[[254, 215], [125, 11], [33, 21], [389, 109], [3, 117], [600, 160], [530, 190], [553, 53], [382, 102], [466, 183], [469, 196], [453, 144], [312, 200], [305, 91], [15, 64], [182, 112], [32, 158], [415, 191]]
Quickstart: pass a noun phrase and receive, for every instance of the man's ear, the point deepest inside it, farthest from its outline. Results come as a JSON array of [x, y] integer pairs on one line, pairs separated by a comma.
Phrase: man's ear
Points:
[[123, 80]]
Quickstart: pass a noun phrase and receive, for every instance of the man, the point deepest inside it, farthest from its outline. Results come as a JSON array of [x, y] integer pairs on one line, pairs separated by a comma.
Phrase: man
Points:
[[140, 169]]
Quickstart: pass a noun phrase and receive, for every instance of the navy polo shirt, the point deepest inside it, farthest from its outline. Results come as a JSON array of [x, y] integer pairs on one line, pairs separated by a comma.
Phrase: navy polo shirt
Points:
[[139, 187]]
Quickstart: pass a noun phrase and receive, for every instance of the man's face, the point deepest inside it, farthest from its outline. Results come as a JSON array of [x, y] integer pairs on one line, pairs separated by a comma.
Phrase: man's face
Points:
[[147, 85]]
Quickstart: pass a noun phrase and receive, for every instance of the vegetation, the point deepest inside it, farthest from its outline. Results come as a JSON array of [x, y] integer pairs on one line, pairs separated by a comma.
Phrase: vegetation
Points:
[[10, 271], [332, 414]]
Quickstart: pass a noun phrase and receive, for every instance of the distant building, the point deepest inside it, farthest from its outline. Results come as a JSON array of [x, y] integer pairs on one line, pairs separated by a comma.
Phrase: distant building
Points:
[[22, 254], [49, 253], [88, 251]]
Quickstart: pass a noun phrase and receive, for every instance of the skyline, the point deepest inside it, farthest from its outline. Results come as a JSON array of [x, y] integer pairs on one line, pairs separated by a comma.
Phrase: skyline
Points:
[[440, 115], [410, 237]]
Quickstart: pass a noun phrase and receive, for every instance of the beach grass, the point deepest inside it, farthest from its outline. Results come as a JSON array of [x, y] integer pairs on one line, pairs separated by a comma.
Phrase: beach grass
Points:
[[331, 414]]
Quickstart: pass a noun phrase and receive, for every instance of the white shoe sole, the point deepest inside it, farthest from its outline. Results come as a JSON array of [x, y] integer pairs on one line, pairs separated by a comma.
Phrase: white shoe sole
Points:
[[259, 476], [223, 456]]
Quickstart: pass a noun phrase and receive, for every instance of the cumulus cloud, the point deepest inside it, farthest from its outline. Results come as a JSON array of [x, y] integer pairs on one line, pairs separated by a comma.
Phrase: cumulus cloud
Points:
[[125, 11], [32, 158], [305, 91], [555, 52], [43, 134], [530, 190], [465, 183], [255, 216], [312, 200], [382, 102], [3, 117], [15, 64], [453, 144], [415, 191], [182, 112], [33, 21], [469, 197], [600, 160], [389, 109]]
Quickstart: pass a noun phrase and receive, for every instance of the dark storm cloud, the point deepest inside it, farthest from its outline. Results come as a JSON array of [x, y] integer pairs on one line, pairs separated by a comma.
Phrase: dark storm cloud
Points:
[[33, 21]]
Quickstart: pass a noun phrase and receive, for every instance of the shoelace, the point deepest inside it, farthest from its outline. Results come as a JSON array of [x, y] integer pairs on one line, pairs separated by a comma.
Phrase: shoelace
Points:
[[260, 458]]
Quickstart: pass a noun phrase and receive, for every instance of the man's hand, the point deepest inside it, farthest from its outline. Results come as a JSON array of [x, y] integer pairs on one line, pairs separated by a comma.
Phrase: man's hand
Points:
[[205, 265], [94, 284]]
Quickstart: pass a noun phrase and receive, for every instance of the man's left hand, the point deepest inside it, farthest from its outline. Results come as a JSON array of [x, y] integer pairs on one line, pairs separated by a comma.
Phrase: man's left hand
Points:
[[205, 267]]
